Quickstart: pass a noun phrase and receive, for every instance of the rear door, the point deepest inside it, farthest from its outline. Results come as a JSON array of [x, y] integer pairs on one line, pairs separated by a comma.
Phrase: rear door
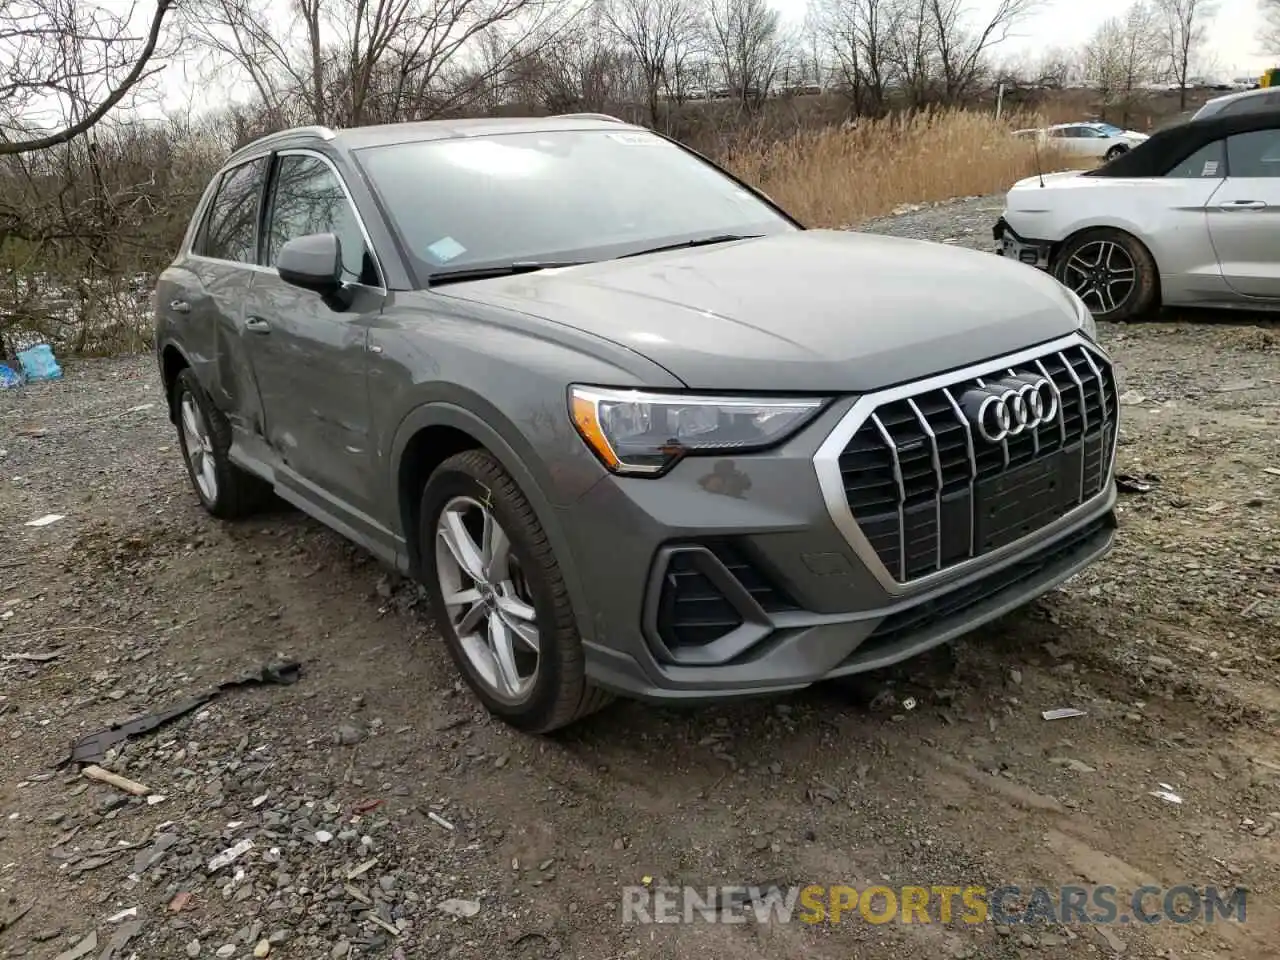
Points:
[[1244, 215], [203, 295], [310, 355], [1093, 142], [1179, 236], [1067, 138], [1085, 141]]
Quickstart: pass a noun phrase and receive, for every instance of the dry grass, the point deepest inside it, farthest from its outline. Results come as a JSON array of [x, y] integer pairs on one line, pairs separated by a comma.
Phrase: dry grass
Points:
[[836, 177]]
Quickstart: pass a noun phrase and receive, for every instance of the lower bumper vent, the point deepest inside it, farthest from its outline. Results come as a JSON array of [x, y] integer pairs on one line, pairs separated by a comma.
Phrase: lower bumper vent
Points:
[[710, 590]]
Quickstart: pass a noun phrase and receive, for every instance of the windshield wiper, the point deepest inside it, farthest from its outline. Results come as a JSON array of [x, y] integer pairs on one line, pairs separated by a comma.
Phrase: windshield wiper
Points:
[[700, 242], [499, 270]]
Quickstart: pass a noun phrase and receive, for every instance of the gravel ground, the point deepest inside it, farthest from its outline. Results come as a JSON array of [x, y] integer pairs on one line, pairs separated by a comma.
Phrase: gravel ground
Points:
[[388, 817]]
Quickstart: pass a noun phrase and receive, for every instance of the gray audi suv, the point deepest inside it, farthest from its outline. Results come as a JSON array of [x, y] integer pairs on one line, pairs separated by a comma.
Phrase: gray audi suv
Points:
[[633, 428]]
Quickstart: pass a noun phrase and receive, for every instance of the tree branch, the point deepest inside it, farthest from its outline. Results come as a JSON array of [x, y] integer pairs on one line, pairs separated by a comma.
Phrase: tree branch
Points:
[[92, 118]]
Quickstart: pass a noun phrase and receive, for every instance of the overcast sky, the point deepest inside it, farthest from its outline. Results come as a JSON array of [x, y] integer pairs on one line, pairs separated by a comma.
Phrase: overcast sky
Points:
[[1232, 47], [1068, 23]]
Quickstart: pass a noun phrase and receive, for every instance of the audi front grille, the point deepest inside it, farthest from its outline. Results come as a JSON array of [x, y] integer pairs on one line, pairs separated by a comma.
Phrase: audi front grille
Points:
[[944, 471]]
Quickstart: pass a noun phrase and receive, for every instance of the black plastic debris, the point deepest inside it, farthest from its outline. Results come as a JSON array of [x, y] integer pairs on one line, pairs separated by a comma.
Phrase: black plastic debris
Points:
[[93, 747]]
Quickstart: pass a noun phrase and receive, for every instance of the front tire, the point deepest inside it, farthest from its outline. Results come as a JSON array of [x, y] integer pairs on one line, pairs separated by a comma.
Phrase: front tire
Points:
[[1114, 152], [225, 491], [499, 599], [1111, 271]]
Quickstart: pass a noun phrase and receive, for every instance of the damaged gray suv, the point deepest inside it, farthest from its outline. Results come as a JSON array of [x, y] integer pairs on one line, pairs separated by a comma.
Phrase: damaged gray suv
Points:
[[633, 427]]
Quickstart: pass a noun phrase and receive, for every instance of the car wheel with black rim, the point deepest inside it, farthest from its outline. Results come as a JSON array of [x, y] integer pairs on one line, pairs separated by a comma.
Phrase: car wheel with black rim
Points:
[[498, 596], [1111, 271], [204, 434]]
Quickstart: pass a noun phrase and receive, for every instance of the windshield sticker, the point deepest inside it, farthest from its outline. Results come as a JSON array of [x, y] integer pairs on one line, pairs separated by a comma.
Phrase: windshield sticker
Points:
[[1210, 168], [446, 249], [636, 139]]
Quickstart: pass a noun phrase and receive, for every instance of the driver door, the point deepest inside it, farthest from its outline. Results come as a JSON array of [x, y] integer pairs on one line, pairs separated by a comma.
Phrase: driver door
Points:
[[309, 355], [1244, 215]]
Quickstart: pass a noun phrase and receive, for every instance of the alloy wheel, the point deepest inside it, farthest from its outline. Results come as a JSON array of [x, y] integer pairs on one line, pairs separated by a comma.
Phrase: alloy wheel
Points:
[[199, 448], [1102, 274], [487, 599]]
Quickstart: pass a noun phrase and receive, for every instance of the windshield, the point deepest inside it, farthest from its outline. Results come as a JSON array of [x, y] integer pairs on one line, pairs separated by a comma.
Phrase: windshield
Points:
[[1107, 130], [554, 196]]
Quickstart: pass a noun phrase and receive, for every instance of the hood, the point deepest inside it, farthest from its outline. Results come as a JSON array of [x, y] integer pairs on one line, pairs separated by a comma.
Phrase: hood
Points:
[[1058, 179], [809, 310], [1134, 135]]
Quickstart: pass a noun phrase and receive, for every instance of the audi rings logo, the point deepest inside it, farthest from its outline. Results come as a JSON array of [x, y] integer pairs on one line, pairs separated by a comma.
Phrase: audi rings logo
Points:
[[1005, 408]]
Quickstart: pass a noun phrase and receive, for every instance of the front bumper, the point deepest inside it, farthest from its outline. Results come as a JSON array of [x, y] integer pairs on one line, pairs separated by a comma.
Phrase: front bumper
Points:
[[1036, 253], [781, 590]]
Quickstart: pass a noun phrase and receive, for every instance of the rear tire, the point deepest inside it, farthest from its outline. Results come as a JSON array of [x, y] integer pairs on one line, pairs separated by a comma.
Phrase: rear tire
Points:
[[204, 435], [517, 595], [1111, 271]]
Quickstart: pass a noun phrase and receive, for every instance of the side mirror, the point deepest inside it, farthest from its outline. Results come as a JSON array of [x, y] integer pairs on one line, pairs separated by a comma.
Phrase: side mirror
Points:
[[313, 262]]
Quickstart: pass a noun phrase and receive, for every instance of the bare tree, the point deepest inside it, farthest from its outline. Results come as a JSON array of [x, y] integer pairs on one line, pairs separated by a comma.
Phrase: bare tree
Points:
[[81, 221], [811, 47], [657, 34], [1124, 53], [579, 71], [857, 36], [745, 41], [961, 50], [1183, 26], [60, 57], [1270, 36], [1056, 67], [913, 51], [351, 62], [1050, 68]]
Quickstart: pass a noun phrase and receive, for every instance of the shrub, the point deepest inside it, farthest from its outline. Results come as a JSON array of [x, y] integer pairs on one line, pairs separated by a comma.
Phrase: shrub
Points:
[[837, 176]]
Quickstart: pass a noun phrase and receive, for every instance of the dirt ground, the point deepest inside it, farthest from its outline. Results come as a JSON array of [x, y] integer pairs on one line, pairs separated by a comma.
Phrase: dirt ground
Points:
[[137, 599]]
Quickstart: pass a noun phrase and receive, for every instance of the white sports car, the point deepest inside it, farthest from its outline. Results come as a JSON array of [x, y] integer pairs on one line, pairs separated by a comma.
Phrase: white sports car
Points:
[[1191, 217]]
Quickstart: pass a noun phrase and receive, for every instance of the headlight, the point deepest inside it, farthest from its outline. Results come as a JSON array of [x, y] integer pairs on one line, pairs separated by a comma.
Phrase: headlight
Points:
[[1088, 325], [633, 432]]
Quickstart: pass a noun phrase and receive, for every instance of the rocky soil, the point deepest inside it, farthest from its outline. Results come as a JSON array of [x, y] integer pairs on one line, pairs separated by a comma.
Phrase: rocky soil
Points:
[[371, 809]]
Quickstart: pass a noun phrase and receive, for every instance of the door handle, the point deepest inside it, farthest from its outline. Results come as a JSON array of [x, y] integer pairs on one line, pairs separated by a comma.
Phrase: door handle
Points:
[[1242, 205], [179, 306], [257, 325]]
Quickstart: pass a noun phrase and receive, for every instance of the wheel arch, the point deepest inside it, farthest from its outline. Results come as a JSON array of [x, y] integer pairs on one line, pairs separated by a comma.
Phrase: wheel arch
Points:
[[173, 360], [1080, 230], [1089, 226], [439, 429]]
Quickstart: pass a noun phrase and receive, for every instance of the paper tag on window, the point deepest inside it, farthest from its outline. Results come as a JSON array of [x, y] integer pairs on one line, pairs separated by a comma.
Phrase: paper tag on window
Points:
[[1210, 168], [446, 249]]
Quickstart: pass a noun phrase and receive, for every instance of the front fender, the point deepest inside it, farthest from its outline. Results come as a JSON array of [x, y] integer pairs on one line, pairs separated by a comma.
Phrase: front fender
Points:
[[550, 487]]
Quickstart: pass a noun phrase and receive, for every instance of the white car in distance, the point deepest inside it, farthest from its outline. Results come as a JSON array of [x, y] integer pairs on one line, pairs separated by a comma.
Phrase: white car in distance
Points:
[[1189, 219], [1102, 141]]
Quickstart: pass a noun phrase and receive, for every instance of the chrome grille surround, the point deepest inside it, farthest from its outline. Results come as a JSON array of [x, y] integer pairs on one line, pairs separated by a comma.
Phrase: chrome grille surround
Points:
[[1080, 371]]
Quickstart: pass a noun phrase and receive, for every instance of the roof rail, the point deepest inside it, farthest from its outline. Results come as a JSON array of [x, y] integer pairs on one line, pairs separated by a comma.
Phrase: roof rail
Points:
[[586, 116], [324, 133]]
